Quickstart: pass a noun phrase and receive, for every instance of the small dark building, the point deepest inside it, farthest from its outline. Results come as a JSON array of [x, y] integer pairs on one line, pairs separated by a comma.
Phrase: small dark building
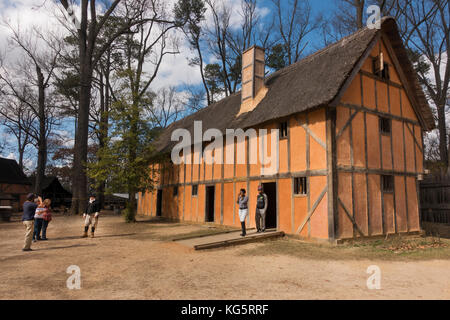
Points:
[[53, 190], [13, 182]]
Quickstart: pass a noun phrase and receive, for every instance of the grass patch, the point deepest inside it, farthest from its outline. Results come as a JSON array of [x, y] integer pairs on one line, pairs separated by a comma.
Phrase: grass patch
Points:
[[395, 249]]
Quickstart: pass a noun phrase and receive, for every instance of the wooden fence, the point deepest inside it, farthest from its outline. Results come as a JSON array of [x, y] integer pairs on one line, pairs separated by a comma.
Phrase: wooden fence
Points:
[[435, 199]]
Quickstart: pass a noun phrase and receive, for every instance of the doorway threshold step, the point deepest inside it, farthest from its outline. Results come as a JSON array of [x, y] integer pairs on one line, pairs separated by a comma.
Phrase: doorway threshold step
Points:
[[229, 239], [209, 235]]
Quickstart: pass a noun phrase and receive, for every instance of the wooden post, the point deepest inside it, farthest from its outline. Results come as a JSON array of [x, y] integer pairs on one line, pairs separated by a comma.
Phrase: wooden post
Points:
[[332, 173]]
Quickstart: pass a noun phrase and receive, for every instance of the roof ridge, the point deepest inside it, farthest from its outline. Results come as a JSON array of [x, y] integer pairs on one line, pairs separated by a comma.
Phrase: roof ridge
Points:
[[315, 54], [282, 71]]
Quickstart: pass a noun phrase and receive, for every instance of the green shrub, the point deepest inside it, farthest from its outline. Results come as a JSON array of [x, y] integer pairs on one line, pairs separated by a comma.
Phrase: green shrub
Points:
[[129, 214]]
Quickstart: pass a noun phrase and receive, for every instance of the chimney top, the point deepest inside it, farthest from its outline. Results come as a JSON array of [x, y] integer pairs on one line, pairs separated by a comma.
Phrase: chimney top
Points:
[[253, 72]]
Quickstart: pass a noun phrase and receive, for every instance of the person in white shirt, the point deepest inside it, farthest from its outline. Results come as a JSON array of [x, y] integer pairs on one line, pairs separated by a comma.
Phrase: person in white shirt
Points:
[[243, 210], [38, 219]]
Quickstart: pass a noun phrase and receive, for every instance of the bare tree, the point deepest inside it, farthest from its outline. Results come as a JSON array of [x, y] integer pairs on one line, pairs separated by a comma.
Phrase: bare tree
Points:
[[351, 16], [90, 52], [194, 98], [146, 47], [166, 107], [221, 13], [294, 22], [190, 14], [223, 41], [17, 117], [36, 68], [425, 28], [249, 33]]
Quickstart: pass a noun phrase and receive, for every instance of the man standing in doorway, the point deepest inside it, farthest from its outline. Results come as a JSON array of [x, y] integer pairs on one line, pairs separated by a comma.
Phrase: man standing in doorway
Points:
[[91, 216], [29, 209], [261, 209]]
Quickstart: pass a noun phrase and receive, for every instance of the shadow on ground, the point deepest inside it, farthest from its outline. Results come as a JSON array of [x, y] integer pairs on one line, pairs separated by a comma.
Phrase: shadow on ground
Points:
[[96, 237]]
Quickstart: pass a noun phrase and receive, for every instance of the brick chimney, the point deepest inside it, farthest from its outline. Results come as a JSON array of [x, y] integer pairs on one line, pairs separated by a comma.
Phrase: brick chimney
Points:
[[253, 71]]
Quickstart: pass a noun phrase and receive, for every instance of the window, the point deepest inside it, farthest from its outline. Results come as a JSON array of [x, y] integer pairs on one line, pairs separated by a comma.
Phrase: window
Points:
[[300, 186], [283, 129], [195, 190], [175, 191], [383, 73], [385, 125], [387, 183]]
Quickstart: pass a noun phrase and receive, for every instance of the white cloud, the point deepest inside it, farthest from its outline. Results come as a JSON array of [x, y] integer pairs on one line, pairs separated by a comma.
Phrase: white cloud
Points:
[[175, 70], [11, 156], [29, 164], [66, 137]]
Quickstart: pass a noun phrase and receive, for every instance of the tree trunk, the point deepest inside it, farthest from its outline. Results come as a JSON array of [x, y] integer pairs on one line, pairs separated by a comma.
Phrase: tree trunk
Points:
[[21, 152], [359, 4], [208, 95], [21, 148], [103, 126], [42, 142], [442, 135], [132, 205], [79, 179], [132, 154], [86, 41]]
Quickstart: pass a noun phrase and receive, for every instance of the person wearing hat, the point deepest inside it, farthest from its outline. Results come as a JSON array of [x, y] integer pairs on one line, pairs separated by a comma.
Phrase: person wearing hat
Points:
[[29, 210], [261, 209], [243, 210], [91, 216]]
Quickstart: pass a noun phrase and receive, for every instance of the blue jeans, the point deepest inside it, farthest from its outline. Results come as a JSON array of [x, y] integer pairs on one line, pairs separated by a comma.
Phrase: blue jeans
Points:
[[37, 229], [44, 229]]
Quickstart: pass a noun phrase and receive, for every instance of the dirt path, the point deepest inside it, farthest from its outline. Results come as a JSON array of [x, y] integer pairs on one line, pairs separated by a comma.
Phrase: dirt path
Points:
[[132, 261]]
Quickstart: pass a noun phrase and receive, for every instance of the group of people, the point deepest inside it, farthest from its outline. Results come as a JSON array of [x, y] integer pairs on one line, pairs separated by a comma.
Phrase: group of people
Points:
[[37, 215], [261, 209]]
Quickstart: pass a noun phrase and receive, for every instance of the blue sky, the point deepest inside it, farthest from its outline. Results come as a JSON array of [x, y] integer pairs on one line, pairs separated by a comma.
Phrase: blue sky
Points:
[[174, 71]]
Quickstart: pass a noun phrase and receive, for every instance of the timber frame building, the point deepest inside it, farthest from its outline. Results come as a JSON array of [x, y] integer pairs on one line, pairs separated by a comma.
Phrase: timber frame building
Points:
[[352, 117], [13, 182]]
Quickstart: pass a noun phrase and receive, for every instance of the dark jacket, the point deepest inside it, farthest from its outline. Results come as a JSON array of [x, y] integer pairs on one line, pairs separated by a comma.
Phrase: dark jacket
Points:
[[29, 209], [93, 207], [262, 211]]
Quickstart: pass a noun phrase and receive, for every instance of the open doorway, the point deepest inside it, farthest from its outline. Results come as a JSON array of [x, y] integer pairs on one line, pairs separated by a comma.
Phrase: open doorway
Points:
[[159, 203], [209, 207], [270, 189]]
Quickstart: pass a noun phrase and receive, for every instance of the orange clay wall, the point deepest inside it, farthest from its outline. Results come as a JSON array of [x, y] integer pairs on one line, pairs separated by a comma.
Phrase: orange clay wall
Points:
[[364, 154], [301, 154]]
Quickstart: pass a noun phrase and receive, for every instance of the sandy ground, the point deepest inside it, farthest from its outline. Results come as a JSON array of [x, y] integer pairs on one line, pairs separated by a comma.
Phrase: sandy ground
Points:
[[137, 261]]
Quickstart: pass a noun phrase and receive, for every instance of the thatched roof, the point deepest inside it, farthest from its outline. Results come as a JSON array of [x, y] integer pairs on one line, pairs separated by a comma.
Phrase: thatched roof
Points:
[[11, 173], [313, 82]]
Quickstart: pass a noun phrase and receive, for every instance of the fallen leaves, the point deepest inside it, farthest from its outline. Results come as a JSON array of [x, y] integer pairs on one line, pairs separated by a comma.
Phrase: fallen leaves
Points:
[[414, 246]]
